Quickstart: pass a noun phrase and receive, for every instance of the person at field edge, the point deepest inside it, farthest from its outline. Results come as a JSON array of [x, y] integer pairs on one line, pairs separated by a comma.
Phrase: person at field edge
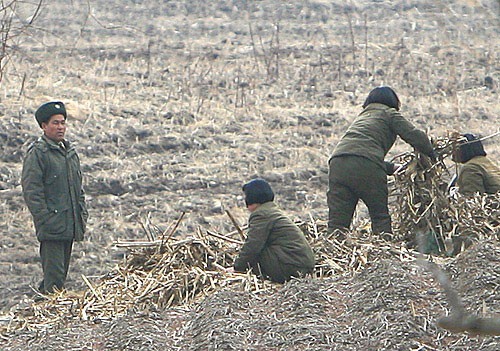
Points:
[[357, 169], [52, 189], [478, 174], [275, 247]]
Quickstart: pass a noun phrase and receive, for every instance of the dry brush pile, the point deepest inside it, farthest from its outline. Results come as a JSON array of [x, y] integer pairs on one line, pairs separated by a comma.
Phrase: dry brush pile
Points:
[[162, 271], [430, 214]]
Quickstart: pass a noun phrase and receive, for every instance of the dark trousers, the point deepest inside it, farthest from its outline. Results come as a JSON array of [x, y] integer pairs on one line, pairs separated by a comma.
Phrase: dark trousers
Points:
[[55, 257], [350, 179], [281, 273]]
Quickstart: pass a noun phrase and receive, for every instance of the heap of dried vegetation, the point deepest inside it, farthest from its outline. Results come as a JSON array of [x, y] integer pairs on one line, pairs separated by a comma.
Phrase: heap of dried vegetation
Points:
[[427, 205], [384, 295]]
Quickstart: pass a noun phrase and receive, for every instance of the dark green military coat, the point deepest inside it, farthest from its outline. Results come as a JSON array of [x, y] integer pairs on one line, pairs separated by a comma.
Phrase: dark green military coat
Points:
[[52, 189], [374, 132], [275, 246], [479, 175], [357, 169]]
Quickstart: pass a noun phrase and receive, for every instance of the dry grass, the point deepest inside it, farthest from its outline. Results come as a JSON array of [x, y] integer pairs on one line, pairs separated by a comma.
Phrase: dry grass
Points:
[[173, 107]]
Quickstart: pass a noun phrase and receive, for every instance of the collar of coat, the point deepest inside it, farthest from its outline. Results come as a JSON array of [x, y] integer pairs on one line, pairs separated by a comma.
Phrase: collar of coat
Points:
[[55, 146], [376, 106]]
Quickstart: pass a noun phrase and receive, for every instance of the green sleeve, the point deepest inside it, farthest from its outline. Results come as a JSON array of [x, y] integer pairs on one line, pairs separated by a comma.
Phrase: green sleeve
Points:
[[33, 188], [410, 134], [258, 233]]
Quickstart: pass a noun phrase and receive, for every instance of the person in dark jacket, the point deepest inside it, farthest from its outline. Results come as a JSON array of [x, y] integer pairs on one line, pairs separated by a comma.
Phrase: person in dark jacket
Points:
[[357, 169], [478, 173], [52, 190], [275, 247]]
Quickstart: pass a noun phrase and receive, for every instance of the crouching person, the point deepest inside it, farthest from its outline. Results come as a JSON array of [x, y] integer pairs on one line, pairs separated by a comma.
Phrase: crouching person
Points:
[[478, 173], [275, 247]]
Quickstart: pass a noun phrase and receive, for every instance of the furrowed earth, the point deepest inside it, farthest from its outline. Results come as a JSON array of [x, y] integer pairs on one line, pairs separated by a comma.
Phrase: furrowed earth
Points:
[[173, 105]]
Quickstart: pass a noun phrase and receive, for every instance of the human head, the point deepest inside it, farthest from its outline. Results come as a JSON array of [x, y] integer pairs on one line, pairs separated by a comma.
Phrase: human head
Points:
[[47, 110], [257, 191], [383, 95], [469, 147]]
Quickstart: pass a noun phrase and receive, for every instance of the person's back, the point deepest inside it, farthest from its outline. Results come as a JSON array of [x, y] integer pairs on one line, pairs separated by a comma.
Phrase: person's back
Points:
[[286, 249], [275, 245], [374, 131], [357, 170], [479, 175]]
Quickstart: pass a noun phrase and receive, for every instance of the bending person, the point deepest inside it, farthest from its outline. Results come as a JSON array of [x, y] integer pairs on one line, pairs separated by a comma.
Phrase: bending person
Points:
[[357, 169], [478, 173]]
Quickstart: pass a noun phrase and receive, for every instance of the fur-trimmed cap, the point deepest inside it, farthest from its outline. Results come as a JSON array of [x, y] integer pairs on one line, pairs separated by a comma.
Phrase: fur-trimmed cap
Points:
[[49, 109]]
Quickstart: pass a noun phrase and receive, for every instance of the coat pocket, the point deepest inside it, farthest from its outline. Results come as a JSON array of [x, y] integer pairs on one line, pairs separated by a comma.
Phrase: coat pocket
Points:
[[56, 223]]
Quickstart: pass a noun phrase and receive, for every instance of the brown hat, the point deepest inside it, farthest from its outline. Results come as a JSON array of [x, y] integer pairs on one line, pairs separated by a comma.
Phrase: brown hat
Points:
[[49, 109]]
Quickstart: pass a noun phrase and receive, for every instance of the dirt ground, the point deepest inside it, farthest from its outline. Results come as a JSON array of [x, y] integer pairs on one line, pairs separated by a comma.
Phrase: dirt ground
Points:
[[173, 105]]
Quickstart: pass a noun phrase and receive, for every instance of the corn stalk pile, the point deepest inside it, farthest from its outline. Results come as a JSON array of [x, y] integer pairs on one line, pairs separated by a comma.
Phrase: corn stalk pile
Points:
[[161, 272], [445, 221], [156, 275]]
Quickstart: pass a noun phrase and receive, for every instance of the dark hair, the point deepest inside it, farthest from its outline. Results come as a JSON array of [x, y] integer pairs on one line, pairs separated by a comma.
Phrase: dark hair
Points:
[[257, 191], [470, 148], [383, 95]]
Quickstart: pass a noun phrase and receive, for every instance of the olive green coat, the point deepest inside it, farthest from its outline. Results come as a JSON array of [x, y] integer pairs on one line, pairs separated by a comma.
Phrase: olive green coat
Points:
[[374, 132], [275, 246], [52, 190], [479, 175], [357, 169]]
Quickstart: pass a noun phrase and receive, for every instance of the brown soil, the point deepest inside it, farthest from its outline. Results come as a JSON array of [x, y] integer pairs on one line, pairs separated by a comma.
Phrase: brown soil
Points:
[[173, 105]]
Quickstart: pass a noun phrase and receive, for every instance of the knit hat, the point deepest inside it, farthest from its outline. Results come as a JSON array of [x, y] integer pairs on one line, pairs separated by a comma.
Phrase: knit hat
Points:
[[470, 148], [257, 191], [49, 109]]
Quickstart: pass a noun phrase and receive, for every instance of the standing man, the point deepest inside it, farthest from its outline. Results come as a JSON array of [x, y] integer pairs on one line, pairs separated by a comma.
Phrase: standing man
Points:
[[275, 247], [357, 167], [52, 190]]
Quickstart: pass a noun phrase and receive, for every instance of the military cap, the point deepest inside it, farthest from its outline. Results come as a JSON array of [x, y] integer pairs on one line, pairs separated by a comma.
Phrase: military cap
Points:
[[49, 109]]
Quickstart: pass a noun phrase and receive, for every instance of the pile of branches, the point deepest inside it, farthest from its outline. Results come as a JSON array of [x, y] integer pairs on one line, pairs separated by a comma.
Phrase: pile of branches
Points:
[[162, 272], [430, 215]]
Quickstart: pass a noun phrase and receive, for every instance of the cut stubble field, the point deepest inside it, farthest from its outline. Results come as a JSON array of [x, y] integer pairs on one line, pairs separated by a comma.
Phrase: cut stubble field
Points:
[[174, 105]]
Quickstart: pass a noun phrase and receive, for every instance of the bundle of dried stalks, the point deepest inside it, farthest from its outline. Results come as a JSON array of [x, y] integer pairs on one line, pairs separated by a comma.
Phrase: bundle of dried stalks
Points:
[[347, 253], [424, 204], [161, 272], [156, 275]]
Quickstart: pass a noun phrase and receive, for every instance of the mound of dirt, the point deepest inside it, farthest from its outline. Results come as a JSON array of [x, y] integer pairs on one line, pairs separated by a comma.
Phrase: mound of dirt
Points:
[[391, 305]]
